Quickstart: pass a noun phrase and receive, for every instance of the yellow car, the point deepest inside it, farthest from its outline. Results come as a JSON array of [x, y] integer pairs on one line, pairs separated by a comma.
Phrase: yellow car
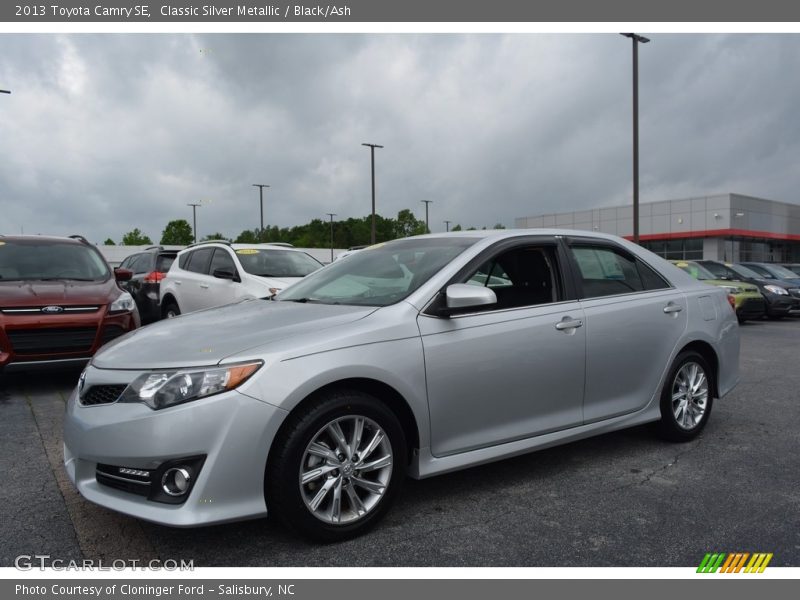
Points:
[[747, 299]]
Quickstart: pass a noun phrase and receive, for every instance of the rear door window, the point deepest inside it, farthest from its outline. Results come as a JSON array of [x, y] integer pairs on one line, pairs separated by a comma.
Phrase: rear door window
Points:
[[199, 260], [605, 271]]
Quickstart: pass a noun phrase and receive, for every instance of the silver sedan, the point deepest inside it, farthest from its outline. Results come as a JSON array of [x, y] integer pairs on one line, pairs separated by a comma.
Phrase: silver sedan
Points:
[[412, 358]]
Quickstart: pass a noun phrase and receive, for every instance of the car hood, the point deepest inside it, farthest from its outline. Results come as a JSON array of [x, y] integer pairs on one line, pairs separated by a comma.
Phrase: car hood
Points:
[[62, 292], [209, 336], [745, 287]]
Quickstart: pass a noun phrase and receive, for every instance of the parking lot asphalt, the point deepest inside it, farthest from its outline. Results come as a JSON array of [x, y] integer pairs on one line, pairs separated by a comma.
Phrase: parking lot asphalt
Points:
[[622, 499]]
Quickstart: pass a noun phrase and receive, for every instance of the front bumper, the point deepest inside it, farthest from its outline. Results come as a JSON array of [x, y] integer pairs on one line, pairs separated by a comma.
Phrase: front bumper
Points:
[[231, 430], [750, 307]]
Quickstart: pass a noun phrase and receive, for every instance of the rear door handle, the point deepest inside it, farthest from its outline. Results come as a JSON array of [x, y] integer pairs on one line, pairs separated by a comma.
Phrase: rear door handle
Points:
[[672, 308], [566, 324]]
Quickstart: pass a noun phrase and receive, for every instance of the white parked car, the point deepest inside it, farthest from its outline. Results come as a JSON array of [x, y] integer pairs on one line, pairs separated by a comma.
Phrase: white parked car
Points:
[[215, 273]]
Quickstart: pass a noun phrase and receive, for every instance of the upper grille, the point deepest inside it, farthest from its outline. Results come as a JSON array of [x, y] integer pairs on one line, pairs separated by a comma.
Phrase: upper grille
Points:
[[29, 310], [51, 340], [102, 394]]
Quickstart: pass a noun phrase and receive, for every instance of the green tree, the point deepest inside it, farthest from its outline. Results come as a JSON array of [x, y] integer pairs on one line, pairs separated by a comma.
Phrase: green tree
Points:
[[215, 236], [499, 226], [177, 233], [456, 228], [407, 224], [135, 238], [247, 237], [109, 242]]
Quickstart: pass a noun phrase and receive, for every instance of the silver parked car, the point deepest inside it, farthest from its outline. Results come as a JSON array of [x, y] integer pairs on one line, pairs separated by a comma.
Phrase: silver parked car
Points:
[[416, 357]]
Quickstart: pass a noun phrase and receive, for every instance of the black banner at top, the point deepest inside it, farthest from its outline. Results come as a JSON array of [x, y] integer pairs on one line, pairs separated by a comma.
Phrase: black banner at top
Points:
[[277, 11]]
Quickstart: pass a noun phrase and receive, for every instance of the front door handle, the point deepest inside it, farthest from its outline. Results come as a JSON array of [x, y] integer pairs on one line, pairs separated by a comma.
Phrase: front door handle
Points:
[[204, 286], [672, 308], [567, 324]]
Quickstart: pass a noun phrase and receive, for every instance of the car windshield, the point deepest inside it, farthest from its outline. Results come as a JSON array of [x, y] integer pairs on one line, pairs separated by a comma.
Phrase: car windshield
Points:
[[695, 270], [270, 262], [43, 260], [717, 270], [782, 272], [379, 275], [743, 271]]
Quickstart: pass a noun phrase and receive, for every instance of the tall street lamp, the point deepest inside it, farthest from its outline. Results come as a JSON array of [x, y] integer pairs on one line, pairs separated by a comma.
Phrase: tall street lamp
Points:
[[331, 215], [426, 202], [635, 41], [194, 219], [261, 187], [372, 157], [447, 224]]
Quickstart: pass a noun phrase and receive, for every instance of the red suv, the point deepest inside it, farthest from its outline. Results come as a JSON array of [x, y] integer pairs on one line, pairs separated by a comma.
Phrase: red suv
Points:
[[59, 302]]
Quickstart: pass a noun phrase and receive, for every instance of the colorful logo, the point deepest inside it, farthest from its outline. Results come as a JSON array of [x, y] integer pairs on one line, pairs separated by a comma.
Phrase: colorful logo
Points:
[[735, 562]]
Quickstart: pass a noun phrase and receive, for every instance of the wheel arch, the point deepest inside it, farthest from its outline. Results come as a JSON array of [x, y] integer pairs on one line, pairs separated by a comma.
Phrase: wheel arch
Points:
[[707, 351], [385, 393]]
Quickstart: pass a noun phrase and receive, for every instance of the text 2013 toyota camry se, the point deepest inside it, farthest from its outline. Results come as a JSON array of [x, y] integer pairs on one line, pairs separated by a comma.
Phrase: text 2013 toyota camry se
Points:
[[415, 357]]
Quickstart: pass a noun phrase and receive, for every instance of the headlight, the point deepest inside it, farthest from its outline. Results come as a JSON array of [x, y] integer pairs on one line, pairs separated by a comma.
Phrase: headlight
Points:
[[123, 303], [161, 389], [774, 289]]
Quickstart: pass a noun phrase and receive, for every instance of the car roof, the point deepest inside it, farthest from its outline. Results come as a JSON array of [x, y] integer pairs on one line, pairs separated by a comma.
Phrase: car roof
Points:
[[42, 238]]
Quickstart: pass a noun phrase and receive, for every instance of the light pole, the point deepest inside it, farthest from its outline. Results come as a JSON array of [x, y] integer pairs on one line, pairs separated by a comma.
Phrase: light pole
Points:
[[331, 215], [261, 187], [426, 202], [447, 224], [194, 219], [372, 158], [635, 41]]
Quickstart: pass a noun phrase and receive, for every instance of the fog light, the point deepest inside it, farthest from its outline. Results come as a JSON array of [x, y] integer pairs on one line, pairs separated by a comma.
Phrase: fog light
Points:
[[176, 481]]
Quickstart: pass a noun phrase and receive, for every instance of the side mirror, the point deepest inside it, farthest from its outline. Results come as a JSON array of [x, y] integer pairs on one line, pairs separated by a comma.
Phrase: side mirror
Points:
[[461, 297], [225, 274], [122, 274]]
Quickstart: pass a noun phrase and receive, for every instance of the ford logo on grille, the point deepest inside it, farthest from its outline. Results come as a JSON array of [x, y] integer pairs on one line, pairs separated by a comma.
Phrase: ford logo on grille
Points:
[[52, 309]]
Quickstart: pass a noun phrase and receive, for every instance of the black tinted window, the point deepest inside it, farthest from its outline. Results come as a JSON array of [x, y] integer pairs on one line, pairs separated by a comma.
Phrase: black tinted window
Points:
[[142, 264], [199, 260], [650, 279], [164, 262], [222, 260]]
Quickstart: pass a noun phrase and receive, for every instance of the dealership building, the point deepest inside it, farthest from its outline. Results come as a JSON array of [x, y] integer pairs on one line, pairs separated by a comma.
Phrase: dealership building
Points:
[[729, 227]]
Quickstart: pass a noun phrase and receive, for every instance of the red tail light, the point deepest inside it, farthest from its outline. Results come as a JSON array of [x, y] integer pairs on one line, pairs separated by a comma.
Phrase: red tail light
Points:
[[154, 277]]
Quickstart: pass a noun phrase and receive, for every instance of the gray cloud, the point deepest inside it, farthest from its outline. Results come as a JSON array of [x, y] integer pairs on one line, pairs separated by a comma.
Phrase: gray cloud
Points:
[[108, 132]]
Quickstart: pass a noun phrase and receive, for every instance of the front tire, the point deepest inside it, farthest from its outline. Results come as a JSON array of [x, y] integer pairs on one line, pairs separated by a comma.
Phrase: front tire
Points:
[[335, 466], [686, 399]]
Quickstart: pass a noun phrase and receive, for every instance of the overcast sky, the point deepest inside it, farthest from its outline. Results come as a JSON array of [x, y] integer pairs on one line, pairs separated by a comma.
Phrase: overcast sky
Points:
[[104, 133]]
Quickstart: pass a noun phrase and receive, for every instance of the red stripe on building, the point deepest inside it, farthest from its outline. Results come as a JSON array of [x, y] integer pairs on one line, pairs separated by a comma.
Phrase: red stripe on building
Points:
[[786, 237]]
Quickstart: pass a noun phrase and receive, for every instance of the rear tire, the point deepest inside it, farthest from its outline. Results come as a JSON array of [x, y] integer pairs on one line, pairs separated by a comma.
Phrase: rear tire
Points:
[[686, 399], [171, 311], [327, 490]]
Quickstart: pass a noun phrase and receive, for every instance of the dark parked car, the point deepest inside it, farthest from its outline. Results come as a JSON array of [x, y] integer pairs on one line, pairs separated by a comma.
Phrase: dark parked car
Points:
[[780, 302], [793, 267], [149, 268], [59, 302], [773, 273]]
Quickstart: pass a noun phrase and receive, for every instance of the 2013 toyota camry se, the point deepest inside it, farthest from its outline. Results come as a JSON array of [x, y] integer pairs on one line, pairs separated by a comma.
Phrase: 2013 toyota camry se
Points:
[[415, 357]]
